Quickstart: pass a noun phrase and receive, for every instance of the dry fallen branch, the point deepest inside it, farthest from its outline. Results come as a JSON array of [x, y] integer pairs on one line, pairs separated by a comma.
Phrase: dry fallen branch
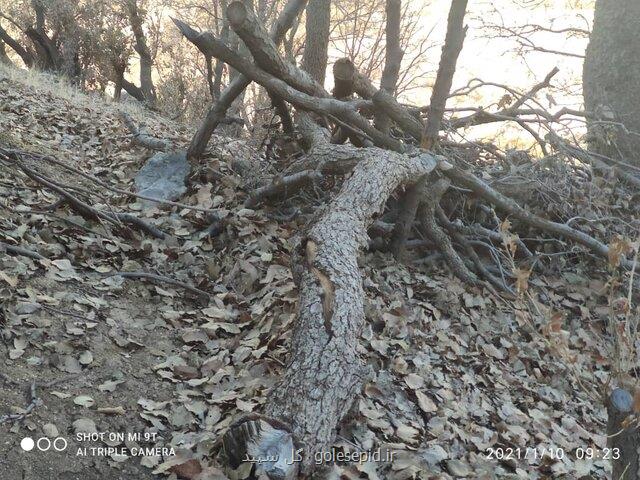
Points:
[[121, 191], [209, 45], [4, 247], [142, 138], [430, 196], [468, 180], [159, 279], [83, 208], [218, 112]]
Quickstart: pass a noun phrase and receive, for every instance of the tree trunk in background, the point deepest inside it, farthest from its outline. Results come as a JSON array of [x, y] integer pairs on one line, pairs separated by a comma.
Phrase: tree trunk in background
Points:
[[141, 47], [315, 55], [48, 54], [611, 80], [26, 57], [453, 42], [393, 57]]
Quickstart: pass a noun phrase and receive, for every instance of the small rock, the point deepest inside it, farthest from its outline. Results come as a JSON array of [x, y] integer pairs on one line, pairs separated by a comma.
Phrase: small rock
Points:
[[163, 177]]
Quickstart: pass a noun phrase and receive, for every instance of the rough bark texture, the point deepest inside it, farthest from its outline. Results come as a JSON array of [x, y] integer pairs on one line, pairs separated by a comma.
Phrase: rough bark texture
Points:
[[141, 47], [316, 45], [624, 436], [325, 373], [265, 51], [217, 113], [610, 80], [410, 124], [450, 51]]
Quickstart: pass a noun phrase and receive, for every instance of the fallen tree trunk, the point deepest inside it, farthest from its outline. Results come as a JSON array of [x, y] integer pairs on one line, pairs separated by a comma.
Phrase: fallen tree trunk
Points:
[[325, 373]]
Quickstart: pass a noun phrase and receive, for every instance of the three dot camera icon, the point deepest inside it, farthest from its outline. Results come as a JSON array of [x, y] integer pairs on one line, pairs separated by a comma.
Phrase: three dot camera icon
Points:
[[59, 444]]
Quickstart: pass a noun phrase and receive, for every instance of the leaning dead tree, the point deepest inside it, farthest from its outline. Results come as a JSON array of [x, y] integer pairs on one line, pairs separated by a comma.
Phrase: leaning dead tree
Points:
[[325, 374]]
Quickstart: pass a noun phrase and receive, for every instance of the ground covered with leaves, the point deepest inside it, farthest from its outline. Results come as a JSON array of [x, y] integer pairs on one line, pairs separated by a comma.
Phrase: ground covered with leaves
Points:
[[456, 371]]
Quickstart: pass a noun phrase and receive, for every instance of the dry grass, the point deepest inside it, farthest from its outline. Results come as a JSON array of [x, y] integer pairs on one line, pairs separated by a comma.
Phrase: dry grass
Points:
[[60, 87]]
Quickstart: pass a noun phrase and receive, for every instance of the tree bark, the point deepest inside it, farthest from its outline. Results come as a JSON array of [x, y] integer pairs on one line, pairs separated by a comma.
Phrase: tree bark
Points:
[[610, 80], [133, 90], [265, 51], [450, 51], [393, 58], [217, 113], [49, 57], [315, 57], [146, 61], [325, 372], [209, 45]]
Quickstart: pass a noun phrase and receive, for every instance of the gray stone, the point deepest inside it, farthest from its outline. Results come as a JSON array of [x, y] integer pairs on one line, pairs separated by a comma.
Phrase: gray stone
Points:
[[163, 177]]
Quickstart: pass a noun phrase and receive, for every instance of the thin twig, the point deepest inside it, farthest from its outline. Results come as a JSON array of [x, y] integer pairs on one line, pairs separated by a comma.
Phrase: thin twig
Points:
[[159, 279]]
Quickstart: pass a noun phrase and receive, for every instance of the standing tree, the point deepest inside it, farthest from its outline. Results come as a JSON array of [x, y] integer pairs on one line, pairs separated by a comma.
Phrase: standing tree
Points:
[[141, 47], [610, 80], [317, 24]]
